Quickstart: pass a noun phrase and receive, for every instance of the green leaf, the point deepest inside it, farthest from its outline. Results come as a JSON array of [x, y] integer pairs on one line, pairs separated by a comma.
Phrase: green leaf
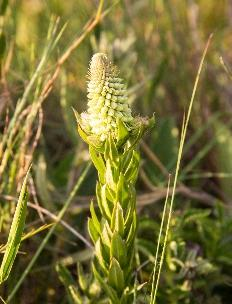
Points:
[[15, 234], [123, 133], [109, 175], [111, 150], [91, 140], [95, 220], [70, 285], [131, 172], [117, 220], [98, 163], [101, 256], [106, 234], [94, 141], [131, 234], [122, 191], [130, 210], [142, 127], [82, 280], [105, 203], [105, 212], [92, 231], [110, 194], [118, 249], [82, 134], [109, 291], [116, 276], [126, 159], [193, 215]]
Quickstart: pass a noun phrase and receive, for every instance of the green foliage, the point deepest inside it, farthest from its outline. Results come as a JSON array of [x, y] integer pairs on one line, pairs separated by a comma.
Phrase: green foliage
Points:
[[113, 232], [85, 290], [198, 262]]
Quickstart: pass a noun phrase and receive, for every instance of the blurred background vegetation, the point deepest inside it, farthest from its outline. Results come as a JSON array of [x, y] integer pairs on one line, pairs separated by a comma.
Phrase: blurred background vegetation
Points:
[[157, 46]]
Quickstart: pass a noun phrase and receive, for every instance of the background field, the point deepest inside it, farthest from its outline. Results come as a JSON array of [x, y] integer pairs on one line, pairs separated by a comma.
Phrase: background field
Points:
[[158, 46]]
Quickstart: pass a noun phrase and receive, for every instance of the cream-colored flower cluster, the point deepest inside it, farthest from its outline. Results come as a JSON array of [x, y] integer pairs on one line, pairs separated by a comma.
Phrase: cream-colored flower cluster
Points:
[[107, 97]]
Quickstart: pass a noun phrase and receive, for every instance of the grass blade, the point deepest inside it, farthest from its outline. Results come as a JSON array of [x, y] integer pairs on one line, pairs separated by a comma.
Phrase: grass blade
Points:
[[15, 235], [50, 232], [179, 157]]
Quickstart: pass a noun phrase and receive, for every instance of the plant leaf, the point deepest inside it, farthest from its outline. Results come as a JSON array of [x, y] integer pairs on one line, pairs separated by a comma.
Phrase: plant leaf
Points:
[[118, 249], [92, 231], [110, 291], [116, 276], [98, 163], [123, 133], [95, 218], [67, 280], [15, 234], [100, 255], [117, 221]]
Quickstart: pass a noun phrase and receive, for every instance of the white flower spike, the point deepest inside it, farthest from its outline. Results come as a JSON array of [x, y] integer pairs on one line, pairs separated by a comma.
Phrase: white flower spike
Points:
[[107, 99]]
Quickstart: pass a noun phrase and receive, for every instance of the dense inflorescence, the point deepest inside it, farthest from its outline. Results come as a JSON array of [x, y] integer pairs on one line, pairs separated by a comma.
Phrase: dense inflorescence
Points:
[[107, 99]]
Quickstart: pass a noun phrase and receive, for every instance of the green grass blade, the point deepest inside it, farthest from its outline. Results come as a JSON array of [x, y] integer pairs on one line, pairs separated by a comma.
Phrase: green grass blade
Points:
[[179, 157], [15, 234], [50, 232], [69, 283], [159, 241]]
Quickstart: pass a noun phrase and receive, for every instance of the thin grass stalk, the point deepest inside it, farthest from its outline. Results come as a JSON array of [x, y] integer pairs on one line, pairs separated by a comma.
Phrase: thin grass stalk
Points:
[[180, 152], [159, 240]]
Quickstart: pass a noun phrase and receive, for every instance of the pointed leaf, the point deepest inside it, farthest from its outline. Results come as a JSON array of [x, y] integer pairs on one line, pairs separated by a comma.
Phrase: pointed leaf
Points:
[[95, 218], [122, 191], [98, 163], [105, 203], [15, 234], [69, 284], [116, 276], [118, 249], [100, 255], [117, 221], [123, 133], [102, 201], [132, 169], [110, 194], [111, 150], [82, 280], [92, 231], [131, 234], [109, 291], [106, 234], [109, 175]]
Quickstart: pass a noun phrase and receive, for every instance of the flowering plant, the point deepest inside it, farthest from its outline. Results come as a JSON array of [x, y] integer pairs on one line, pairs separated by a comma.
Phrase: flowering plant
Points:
[[112, 134]]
